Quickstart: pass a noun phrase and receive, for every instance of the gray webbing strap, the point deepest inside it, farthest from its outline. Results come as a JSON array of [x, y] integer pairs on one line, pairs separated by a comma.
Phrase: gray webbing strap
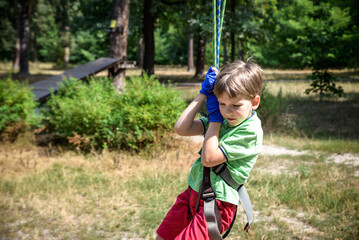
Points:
[[210, 209], [247, 205], [223, 171]]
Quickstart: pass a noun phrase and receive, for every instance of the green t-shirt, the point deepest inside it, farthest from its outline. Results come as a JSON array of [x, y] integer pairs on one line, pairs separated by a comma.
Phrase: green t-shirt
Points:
[[241, 145]]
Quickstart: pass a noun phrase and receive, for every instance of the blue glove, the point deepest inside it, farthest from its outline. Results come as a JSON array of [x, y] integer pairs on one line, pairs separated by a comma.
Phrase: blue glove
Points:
[[213, 109], [208, 83]]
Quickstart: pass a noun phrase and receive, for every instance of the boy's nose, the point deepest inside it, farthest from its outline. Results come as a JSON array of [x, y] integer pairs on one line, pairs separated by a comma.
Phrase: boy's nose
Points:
[[228, 111]]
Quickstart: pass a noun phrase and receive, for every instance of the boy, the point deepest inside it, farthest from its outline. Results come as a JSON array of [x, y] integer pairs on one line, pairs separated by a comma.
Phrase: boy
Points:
[[233, 134]]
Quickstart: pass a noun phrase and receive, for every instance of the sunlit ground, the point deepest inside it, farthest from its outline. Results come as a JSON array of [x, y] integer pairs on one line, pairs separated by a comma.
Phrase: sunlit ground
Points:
[[50, 192]]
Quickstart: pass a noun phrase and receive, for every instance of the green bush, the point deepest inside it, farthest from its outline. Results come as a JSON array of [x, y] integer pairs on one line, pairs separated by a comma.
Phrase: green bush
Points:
[[94, 115], [17, 108]]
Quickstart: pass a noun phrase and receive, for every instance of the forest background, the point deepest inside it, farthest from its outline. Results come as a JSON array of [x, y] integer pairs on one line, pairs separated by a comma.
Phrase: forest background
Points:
[[279, 34], [100, 165]]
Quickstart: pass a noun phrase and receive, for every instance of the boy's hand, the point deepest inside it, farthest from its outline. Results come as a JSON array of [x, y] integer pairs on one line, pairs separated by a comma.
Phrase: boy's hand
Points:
[[213, 109], [208, 83]]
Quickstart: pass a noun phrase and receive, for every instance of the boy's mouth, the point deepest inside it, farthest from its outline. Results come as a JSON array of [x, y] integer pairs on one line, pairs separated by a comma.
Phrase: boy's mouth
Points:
[[231, 119]]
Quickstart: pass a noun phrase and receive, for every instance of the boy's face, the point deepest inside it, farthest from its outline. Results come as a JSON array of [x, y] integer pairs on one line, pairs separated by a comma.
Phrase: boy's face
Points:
[[236, 110]]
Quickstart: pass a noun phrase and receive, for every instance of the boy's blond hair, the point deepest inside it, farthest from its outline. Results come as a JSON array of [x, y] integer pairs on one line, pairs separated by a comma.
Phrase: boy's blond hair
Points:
[[239, 78]]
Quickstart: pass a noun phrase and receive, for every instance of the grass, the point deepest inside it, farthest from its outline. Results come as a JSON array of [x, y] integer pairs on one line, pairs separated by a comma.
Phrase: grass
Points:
[[305, 115], [68, 195], [49, 192]]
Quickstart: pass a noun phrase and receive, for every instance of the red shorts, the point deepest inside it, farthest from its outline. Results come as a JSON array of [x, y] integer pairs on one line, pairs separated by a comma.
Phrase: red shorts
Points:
[[178, 225]]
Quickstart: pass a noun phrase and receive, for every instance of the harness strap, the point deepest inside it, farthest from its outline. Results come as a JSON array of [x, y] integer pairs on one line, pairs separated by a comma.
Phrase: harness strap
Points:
[[223, 171], [213, 219], [211, 211], [247, 205]]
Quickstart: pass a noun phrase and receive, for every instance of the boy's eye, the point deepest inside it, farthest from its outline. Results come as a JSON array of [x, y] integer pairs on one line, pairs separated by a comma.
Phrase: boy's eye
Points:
[[237, 106]]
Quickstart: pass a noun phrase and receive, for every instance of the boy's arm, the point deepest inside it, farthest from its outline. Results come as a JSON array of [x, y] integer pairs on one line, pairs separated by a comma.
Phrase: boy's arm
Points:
[[212, 155], [186, 125]]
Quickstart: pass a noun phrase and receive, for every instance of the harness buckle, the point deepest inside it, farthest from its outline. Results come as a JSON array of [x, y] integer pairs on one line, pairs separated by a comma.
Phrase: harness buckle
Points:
[[208, 195]]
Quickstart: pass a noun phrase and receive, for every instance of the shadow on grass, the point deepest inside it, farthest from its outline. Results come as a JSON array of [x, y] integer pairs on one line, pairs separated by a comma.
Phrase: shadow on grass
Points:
[[326, 119]]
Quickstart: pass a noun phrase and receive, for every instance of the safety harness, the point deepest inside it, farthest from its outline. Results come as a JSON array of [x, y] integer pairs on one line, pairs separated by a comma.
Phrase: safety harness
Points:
[[208, 195], [211, 211]]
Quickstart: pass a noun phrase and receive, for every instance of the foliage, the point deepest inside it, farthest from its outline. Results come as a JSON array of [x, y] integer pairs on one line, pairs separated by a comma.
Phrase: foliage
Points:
[[323, 82], [7, 29], [285, 34], [169, 50], [95, 115], [149, 110], [320, 47], [305, 33], [86, 44], [17, 108], [89, 26]]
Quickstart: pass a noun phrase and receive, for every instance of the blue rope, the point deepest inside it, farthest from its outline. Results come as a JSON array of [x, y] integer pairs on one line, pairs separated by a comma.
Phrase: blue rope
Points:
[[218, 29]]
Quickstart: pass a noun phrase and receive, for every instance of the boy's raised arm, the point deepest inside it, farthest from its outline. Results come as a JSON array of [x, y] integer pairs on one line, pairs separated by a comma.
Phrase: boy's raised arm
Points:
[[212, 155], [186, 125]]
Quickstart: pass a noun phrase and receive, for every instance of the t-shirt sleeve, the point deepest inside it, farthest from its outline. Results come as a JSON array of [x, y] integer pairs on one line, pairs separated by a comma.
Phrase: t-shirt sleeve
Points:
[[245, 144]]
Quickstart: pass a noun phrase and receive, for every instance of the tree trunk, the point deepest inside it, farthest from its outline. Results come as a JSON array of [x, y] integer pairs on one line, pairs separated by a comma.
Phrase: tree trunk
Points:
[[148, 33], [16, 58], [233, 46], [66, 41], [233, 36], [66, 37], [62, 18], [225, 52], [190, 62], [66, 55], [34, 20], [140, 52], [118, 38], [201, 54], [24, 36], [34, 43], [240, 51]]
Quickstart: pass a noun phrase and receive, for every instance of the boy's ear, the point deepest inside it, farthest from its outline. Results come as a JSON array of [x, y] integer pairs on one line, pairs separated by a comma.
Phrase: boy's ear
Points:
[[255, 102]]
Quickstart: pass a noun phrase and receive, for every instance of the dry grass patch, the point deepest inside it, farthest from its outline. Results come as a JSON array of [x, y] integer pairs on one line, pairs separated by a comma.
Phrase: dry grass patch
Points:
[[122, 196], [97, 196], [280, 216]]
